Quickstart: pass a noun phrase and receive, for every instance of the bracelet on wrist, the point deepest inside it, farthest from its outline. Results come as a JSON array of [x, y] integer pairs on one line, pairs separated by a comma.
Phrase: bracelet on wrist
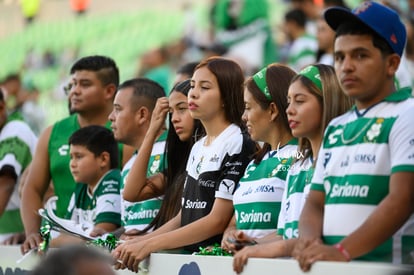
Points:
[[343, 251]]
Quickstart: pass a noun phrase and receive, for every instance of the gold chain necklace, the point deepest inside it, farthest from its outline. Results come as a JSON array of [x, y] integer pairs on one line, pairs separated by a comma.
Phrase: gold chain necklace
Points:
[[368, 124]]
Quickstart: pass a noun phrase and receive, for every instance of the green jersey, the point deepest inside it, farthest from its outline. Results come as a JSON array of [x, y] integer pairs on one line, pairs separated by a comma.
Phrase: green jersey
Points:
[[103, 205], [359, 153]]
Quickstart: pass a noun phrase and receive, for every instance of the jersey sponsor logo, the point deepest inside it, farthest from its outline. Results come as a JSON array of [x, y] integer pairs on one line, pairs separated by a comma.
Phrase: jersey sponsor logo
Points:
[[236, 163], [250, 217], [206, 183], [327, 158], [265, 189], [110, 182], [260, 189], [228, 185], [110, 189], [142, 214], [247, 192], [411, 142], [233, 171], [365, 158], [63, 150], [215, 158], [111, 202], [346, 191], [345, 162], [110, 186], [333, 138], [195, 204]]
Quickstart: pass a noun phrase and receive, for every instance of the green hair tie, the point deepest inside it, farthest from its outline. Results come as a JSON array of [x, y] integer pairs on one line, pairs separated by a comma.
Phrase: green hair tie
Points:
[[260, 80], [312, 73]]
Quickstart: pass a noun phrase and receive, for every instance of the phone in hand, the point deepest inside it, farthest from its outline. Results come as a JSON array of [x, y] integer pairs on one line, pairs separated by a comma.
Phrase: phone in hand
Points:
[[240, 244]]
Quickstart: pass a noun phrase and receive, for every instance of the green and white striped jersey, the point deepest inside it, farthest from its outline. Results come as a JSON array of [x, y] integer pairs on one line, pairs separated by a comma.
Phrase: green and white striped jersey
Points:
[[302, 52], [259, 193], [298, 185], [359, 154], [17, 145], [137, 215], [102, 206]]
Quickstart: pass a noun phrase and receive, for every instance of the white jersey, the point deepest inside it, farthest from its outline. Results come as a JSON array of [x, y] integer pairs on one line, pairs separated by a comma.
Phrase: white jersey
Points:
[[259, 193], [302, 52], [103, 205], [298, 183], [358, 155], [138, 215], [17, 146]]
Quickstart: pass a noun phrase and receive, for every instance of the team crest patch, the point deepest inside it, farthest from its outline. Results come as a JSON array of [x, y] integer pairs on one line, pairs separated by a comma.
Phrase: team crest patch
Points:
[[279, 167], [155, 164], [375, 130], [198, 167]]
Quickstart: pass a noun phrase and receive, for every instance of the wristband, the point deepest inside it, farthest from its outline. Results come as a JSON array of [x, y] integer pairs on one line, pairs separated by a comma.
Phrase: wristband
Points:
[[343, 251]]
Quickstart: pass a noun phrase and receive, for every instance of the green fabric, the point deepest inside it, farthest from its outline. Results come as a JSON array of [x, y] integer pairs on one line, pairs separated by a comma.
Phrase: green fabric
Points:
[[59, 159], [260, 80], [161, 75], [18, 148], [251, 11], [10, 222], [312, 73]]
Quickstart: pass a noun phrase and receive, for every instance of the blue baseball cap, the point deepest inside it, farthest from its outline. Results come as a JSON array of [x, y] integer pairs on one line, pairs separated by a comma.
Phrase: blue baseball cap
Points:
[[379, 18]]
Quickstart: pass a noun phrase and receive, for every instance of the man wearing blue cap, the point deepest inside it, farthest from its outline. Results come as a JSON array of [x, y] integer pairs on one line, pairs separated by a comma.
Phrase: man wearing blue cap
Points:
[[362, 196]]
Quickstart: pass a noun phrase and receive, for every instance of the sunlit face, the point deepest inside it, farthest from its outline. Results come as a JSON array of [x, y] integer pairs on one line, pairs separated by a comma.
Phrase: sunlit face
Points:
[[84, 165], [123, 117], [87, 92], [181, 118], [204, 98], [360, 68], [304, 112], [257, 119]]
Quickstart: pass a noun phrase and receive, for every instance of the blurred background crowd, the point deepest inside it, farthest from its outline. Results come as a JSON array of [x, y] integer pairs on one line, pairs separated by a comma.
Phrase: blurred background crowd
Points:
[[40, 39]]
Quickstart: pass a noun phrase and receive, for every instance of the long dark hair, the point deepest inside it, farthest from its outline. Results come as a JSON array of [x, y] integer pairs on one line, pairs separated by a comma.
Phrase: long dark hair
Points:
[[230, 80], [278, 78], [177, 153]]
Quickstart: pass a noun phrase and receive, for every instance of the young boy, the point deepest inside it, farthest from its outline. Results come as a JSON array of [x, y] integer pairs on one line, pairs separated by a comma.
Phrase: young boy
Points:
[[94, 81], [96, 201], [362, 195]]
